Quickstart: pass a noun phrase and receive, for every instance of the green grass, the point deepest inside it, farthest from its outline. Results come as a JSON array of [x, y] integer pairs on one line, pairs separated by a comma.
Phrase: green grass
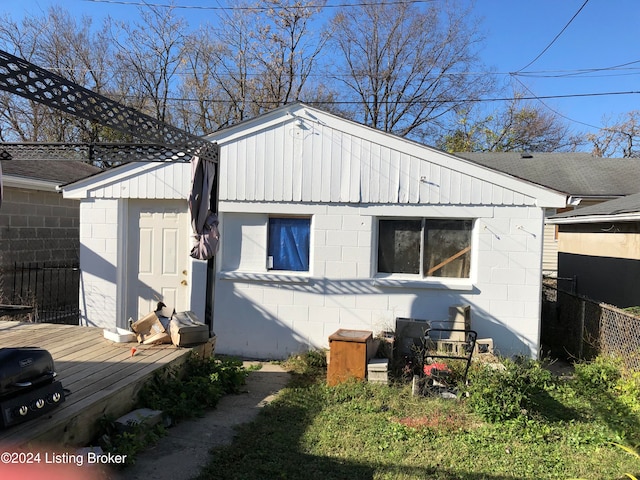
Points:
[[357, 430]]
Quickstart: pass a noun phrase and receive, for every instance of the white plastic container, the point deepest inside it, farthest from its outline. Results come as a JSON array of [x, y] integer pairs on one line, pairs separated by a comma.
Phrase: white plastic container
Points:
[[119, 335]]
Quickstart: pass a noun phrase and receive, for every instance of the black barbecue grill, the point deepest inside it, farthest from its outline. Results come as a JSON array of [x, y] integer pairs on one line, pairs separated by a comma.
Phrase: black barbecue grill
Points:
[[27, 384]]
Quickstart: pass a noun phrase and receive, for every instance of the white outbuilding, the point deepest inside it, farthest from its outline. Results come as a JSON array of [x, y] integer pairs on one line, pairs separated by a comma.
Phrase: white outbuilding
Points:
[[325, 224]]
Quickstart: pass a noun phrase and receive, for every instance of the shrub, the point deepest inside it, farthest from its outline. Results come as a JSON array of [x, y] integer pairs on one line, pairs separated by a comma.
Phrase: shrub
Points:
[[183, 393], [312, 362], [628, 390], [599, 375], [499, 394]]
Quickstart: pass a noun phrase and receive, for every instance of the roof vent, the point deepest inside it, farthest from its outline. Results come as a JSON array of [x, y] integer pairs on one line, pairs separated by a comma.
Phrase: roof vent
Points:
[[526, 155]]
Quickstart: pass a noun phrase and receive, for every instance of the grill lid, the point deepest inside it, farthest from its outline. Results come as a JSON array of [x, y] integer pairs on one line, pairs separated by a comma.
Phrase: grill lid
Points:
[[21, 368]]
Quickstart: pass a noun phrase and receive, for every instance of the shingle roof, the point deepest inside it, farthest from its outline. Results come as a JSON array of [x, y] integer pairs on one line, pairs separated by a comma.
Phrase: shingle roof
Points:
[[577, 174], [619, 206], [61, 172]]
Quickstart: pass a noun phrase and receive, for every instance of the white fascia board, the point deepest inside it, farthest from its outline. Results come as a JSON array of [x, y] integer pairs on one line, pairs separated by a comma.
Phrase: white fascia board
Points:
[[544, 197], [623, 217], [285, 114], [29, 183]]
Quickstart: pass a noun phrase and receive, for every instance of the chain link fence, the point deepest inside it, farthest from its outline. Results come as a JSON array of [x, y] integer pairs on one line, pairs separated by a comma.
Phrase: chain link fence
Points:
[[575, 327]]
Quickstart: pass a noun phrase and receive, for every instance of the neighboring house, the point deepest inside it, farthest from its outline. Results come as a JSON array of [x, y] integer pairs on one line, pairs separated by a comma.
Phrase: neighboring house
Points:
[[39, 238], [325, 224], [39, 229], [599, 251], [586, 180], [36, 223]]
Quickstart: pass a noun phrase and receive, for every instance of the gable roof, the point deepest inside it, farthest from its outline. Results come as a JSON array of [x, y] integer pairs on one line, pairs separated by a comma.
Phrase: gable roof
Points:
[[45, 173], [298, 153], [620, 210], [576, 174]]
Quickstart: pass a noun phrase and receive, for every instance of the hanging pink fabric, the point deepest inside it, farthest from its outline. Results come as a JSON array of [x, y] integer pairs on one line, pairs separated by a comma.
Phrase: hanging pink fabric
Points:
[[203, 221]]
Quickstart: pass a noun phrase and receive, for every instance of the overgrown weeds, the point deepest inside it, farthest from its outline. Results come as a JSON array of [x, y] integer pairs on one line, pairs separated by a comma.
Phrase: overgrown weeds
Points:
[[550, 430], [180, 393], [189, 390]]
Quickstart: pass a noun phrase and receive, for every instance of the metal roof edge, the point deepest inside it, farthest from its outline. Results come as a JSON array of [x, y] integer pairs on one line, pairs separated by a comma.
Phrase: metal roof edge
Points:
[[14, 181], [622, 217]]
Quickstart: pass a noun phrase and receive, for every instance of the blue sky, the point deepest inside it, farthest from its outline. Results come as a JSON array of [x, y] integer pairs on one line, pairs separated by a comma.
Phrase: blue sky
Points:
[[604, 34]]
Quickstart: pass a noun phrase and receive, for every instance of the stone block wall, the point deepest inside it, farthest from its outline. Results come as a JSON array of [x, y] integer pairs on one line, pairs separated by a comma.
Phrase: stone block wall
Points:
[[37, 226]]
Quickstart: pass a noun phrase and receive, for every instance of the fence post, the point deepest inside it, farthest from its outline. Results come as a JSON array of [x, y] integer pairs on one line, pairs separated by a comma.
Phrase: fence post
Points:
[[582, 332]]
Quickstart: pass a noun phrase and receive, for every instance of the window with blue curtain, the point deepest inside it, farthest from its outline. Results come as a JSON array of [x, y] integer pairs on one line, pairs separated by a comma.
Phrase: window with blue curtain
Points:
[[289, 244]]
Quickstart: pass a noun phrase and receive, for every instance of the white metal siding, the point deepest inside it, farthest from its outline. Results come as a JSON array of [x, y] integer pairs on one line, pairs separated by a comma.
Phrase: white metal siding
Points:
[[157, 180], [317, 163]]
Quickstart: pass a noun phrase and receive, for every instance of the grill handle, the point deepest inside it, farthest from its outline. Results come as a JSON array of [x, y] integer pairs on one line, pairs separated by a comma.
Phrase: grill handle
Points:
[[49, 375]]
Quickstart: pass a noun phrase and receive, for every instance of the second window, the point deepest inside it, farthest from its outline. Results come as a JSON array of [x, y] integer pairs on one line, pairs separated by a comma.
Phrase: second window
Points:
[[427, 247]]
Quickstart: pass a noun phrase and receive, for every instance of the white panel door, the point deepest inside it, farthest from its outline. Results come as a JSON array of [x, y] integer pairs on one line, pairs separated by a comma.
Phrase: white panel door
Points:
[[161, 256]]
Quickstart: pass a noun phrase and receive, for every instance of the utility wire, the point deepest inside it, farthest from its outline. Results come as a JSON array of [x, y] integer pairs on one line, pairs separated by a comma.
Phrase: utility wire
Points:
[[470, 100], [555, 38], [582, 71], [541, 100], [199, 7]]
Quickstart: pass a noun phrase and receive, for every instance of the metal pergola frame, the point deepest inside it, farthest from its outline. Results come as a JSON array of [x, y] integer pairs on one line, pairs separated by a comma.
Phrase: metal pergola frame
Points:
[[163, 142]]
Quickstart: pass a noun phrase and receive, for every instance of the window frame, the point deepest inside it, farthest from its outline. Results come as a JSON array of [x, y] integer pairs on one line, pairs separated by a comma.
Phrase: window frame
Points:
[[422, 276], [268, 260]]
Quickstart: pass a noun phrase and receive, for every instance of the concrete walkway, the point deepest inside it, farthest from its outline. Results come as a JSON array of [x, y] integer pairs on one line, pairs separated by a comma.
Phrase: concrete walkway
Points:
[[185, 449]]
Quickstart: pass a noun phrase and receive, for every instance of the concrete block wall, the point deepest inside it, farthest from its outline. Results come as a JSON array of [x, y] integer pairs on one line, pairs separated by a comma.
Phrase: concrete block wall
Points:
[[99, 259], [38, 226], [268, 315]]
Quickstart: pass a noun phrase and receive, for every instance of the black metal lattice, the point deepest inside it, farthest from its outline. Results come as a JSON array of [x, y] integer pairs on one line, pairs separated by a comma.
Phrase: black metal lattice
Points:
[[27, 80], [93, 152]]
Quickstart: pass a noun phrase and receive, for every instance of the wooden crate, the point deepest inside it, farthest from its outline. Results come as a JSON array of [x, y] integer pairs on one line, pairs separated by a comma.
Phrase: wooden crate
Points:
[[350, 351]]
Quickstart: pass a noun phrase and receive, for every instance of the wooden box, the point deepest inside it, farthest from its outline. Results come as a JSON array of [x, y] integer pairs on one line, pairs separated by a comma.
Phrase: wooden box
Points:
[[187, 330], [350, 351]]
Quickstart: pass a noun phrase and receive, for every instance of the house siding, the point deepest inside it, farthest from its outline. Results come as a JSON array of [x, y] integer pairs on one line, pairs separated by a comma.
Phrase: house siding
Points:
[[342, 291], [105, 236], [601, 261], [550, 251], [150, 181], [299, 161], [317, 163], [99, 241]]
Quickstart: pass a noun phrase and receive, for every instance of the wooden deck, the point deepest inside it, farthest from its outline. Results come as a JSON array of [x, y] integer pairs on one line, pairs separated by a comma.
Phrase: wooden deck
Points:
[[102, 378]]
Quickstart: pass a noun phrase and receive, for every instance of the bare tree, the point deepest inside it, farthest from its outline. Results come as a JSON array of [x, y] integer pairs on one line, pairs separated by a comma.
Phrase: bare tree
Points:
[[405, 65], [67, 46], [149, 58], [620, 138], [287, 50], [254, 60], [220, 80]]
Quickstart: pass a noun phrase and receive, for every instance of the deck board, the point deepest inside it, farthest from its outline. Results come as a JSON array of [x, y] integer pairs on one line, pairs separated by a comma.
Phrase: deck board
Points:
[[102, 378]]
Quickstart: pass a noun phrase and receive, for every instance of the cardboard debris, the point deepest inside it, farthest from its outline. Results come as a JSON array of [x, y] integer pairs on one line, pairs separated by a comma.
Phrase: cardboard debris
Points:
[[152, 328], [186, 330], [164, 325]]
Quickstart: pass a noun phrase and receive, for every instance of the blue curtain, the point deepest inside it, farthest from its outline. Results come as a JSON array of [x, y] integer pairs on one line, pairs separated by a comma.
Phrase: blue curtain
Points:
[[289, 243]]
